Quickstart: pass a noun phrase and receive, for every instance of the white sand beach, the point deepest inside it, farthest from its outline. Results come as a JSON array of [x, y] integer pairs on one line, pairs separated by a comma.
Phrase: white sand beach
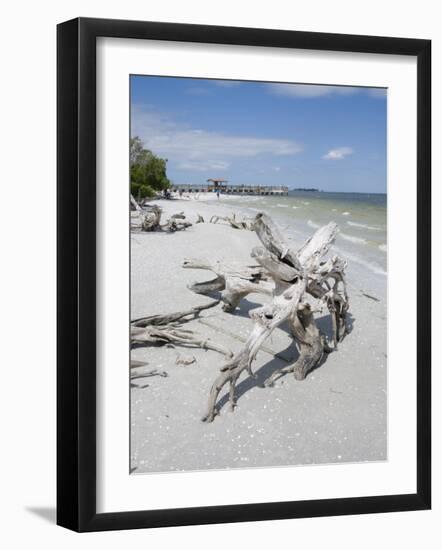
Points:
[[337, 414]]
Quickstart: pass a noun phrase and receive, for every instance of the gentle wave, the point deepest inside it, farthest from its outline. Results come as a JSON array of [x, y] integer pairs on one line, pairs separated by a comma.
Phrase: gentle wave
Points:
[[313, 224], [295, 207], [374, 268], [346, 213], [383, 247], [283, 205], [352, 239], [306, 203], [363, 226]]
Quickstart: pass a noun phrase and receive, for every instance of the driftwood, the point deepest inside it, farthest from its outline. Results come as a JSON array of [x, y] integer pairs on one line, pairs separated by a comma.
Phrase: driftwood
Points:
[[176, 222], [133, 204], [148, 374], [233, 222], [303, 282], [167, 329], [145, 374], [233, 282], [150, 220]]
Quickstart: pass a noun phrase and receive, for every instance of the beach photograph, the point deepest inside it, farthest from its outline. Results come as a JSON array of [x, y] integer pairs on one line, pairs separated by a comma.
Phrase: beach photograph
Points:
[[258, 269]]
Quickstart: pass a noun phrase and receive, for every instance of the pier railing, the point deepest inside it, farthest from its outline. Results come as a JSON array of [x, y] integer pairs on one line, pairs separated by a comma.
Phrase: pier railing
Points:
[[231, 189]]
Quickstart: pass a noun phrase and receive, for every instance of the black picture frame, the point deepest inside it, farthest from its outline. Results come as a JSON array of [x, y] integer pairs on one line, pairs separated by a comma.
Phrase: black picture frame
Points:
[[76, 274]]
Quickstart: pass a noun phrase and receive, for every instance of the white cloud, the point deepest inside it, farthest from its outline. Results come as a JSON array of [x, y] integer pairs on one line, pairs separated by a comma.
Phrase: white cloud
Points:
[[204, 166], [310, 90], [192, 146], [338, 154], [319, 90]]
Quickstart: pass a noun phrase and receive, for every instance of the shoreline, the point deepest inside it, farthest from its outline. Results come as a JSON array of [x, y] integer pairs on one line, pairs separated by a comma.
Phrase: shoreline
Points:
[[338, 414]]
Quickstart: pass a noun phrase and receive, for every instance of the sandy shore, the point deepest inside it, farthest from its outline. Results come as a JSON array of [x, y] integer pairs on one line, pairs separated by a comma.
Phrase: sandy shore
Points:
[[338, 414]]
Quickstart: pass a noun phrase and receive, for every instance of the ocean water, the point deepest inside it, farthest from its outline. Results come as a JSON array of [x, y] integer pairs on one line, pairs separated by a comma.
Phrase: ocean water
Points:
[[361, 218]]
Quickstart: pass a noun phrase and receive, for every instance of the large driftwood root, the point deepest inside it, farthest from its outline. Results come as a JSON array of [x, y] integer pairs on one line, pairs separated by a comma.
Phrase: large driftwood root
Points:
[[302, 283], [167, 329]]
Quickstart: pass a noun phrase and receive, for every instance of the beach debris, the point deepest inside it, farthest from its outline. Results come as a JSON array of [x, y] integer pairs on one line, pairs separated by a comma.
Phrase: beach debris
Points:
[[299, 278], [148, 374], [176, 222], [168, 318], [149, 219], [234, 282], [370, 296], [233, 222], [200, 219], [167, 330], [185, 360], [133, 204]]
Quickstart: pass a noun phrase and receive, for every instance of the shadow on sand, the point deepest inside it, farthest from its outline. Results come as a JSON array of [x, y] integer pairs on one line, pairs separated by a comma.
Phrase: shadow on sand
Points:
[[266, 371]]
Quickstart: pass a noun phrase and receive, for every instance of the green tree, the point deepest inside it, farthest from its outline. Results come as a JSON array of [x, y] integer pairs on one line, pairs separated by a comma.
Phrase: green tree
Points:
[[147, 171]]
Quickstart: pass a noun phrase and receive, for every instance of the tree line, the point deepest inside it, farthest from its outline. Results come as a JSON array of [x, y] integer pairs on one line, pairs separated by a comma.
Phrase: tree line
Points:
[[147, 171]]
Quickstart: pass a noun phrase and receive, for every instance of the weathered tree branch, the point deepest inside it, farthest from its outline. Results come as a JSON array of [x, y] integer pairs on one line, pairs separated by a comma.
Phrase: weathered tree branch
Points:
[[311, 344], [166, 329], [233, 222], [233, 282], [134, 203], [270, 236], [155, 320]]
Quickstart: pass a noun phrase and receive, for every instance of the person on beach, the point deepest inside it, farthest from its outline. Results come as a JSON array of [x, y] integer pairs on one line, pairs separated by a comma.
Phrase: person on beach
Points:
[[217, 193]]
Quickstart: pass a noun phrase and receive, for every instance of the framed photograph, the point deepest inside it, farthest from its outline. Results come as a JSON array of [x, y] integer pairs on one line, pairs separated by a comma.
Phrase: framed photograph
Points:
[[243, 274]]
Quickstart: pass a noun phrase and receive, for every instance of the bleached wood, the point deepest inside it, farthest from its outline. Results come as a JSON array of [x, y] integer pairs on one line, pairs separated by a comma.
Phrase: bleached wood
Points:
[[150, 220], [167, 329], [233, 222], [296, 275], [234, 282], [134, 203]]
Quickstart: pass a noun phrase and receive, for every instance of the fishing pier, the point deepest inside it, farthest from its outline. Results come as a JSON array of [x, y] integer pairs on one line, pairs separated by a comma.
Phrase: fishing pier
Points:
[[223, 186]]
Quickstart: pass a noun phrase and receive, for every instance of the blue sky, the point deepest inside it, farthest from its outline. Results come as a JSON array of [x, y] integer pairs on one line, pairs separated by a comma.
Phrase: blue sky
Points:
[[329, 137]]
